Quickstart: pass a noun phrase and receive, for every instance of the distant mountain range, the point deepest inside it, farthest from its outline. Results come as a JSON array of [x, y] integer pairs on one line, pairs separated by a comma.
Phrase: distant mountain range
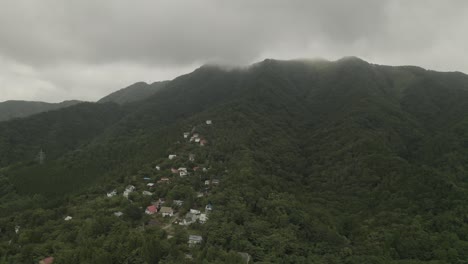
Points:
[[133, 93], [316, 162], [18, 109]]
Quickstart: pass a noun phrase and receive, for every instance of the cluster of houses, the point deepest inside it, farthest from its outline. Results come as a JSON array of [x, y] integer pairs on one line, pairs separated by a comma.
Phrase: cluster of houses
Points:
[[193, 215], [181, 171], [196, 215], [196, 138], [157, 207]]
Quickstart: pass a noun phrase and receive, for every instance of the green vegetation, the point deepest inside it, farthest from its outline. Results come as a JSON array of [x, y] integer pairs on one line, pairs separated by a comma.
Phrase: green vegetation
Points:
[[318, 162], [133, 93]]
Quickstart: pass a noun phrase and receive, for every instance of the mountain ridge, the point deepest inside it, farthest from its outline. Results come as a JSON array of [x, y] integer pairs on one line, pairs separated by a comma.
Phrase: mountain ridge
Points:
[[328, 162]]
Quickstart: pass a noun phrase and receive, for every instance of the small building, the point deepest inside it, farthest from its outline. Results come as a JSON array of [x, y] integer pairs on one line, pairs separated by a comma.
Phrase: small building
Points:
[[164, 180], [48, 260], [118, 214], [146, 178], [178, 202], [186, 134], [150, 184], [172, 156], [209, 122], [196, 135], [207, 182], [183, 173], [68, 218], [194, 211], [194, 240], [197, 140], [174, 170], [208, 207], [146, 193], [189, 219], [245, 257], [166, 211], [203, 218], [128, 190], [111, 194], [157, 168], [203, 142], [195, 168], [191, 157], [200, 194], [151, 210], [17, 229], [204, 169], [215, 182]]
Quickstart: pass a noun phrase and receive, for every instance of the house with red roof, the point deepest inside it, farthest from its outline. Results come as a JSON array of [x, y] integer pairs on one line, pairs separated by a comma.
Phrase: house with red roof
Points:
[[48, 260], [203, 142], [152, 209]]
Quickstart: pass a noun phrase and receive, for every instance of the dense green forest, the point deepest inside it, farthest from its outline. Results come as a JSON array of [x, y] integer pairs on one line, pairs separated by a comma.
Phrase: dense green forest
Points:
[[317, 162]]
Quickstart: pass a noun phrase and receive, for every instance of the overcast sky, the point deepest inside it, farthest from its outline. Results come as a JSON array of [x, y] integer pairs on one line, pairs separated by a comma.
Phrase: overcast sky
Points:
[[53, 50]]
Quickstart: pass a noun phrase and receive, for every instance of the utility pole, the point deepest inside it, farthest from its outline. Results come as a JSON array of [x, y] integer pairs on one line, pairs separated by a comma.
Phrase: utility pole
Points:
[[41, 157]]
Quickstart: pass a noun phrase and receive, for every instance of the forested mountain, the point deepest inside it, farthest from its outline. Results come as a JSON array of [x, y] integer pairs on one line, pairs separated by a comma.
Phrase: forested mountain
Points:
[[135, 92], [16, 109], [317, 162]]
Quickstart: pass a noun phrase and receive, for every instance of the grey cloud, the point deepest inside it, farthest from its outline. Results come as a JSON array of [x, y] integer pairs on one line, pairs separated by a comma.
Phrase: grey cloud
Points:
[[77, 48]]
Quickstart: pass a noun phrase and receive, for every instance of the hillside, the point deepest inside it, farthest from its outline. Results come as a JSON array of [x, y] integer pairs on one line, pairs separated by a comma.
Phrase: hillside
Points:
[[18, 109], [133, 93], [305, 161]]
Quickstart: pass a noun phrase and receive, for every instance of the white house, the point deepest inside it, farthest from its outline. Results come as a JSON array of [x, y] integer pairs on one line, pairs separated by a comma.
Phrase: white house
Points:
[[118, 214], [194, 240], [191, 157], [146, 193], [203, 218], [68, 218], [157, 168], [172, 156], [178, 202], [113, 193], [150, 184], [209, 122], [207, 182], [17, 229], [197, 140], [189, 219], [166, 211], [130, 188], [182, 173], [194, 211], [186, 134], [208, 208]]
